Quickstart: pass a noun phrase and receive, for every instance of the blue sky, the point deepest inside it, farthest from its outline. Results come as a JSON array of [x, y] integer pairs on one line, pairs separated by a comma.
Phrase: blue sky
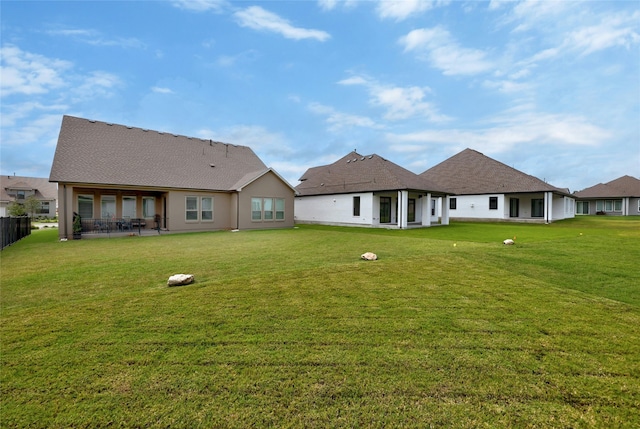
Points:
[[551, 88]]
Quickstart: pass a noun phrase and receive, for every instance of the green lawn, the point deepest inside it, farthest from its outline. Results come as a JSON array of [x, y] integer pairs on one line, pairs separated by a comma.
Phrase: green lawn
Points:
[[449, 328]]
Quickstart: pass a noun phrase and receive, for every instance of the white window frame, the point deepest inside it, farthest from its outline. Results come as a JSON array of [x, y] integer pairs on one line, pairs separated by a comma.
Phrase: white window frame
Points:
[[203, 211], [280, 214], [192, 210], [263, 209], [87, 198], [124, 206], [145, 206], [106, 200]]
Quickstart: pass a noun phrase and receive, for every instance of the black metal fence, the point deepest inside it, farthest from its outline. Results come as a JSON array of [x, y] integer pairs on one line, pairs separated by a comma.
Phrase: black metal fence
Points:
[[13, 229], [123, 225]]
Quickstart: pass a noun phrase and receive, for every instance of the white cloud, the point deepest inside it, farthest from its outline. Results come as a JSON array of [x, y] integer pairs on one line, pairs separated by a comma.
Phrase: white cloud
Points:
[[333, 4], [338, 121], [26, 73], [161, 90], [95, 38], [257, 18], [256, 137], [201, 5], [231, 60], [400, 102], [436, 46], [402, 9], [513, 128], [616, 30]]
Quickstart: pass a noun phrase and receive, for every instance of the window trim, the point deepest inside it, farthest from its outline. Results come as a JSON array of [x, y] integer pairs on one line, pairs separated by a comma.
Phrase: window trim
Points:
[[202, 210], [187, 210], [144, 207], [276, 215], [453, 203], [88, 197], [356, 206], [493, 203]]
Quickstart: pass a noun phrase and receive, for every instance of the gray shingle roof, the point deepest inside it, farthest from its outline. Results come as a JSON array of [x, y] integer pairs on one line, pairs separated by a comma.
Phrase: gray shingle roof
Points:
[[44, 189], [358, 173], [470, 172], [625, 186], [96, 152]]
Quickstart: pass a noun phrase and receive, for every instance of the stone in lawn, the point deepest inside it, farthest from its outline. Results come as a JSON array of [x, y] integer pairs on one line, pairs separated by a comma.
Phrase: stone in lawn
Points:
[[180, 279], [369, 256]]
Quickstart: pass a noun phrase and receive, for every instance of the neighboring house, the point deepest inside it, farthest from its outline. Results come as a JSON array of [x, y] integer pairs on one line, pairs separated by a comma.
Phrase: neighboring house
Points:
[[490, 190], [120, 178], [369, 191], [620, 197], [19, 188]]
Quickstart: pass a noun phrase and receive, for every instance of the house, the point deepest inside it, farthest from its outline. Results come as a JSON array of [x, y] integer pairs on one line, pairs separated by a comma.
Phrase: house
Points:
[[490, 190], [122, 178], [369, 190], [19, 188], [620, 197]]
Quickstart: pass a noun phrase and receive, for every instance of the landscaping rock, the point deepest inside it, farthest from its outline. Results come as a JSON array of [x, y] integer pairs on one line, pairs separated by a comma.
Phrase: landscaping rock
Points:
[[369, 256], [508, 242], [180, 279]]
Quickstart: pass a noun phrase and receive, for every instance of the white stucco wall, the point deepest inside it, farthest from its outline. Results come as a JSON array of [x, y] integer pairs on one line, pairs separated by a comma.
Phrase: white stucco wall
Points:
[[335, 209], [477, 207]]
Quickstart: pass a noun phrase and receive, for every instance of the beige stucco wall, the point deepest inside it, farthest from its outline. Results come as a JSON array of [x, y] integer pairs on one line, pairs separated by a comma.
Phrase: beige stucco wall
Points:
[[176, 212], [267, 186]]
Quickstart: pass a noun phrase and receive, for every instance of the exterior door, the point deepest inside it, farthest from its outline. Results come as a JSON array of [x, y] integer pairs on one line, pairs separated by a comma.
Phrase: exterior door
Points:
[[514, 207], [537, 207], [385, 209], [411, 211]]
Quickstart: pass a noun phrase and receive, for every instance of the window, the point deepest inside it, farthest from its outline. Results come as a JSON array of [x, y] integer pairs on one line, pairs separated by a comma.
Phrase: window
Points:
[[537, 207], [148, 207], [268, 208], [128, 206], [617, 205], [493, 203], [279, 208], [356, 206], [411, 210], [256, 208], [453, 203], [191, 208], [44, 207], [85, 206], [608, 206], [207, 208], [582, 207], [108, 206], [20, 195], [599, 205]]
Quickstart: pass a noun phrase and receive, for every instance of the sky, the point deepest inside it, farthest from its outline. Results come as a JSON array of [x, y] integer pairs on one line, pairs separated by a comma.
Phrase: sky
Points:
[[551, 88]]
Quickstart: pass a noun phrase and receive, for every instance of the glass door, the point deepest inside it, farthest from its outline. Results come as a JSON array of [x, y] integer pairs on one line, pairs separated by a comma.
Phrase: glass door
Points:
[[385, 209], [514, 207]]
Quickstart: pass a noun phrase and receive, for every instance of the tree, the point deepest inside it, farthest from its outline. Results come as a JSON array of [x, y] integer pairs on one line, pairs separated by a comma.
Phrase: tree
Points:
[[31, 206], [16, 209]]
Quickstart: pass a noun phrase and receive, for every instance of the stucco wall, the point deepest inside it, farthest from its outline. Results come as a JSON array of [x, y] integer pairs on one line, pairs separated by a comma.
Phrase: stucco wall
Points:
[[336, 209], [176, 212], [267, 186]]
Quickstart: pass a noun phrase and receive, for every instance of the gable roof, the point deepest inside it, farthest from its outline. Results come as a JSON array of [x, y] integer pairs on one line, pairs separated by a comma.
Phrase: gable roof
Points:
[[625, 186], [44, 190], [95, 152], [470, 172], [358, 173]]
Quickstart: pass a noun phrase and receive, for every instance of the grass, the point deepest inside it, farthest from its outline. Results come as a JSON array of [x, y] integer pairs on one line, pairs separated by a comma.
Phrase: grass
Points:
[[290, 329]]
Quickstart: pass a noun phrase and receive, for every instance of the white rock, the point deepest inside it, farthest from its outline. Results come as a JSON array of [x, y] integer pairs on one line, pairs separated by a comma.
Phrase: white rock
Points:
[[369, 256], [508, 241], [180, 279]]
